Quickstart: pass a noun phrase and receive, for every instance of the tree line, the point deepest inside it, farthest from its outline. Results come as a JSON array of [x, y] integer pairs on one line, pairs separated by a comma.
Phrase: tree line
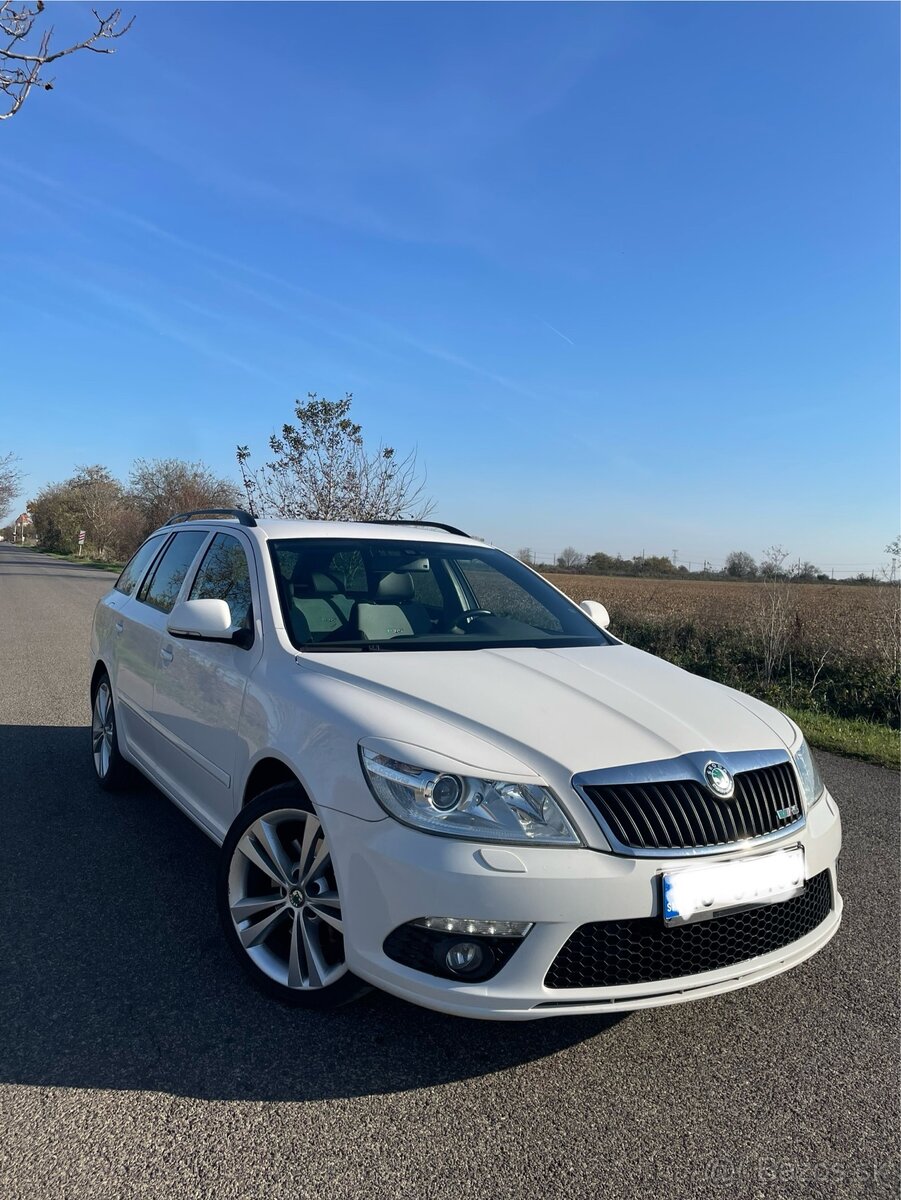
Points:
[[740, 565], [116, 516]]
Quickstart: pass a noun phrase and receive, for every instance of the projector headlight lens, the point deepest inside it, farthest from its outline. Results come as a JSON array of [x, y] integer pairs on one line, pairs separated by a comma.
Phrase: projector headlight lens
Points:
[[464, 806], [445, 793]]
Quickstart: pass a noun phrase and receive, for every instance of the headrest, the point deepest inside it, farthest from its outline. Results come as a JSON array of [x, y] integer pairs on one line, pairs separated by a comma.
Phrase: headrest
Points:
[[396, 586], [323, 582], [304, 579]]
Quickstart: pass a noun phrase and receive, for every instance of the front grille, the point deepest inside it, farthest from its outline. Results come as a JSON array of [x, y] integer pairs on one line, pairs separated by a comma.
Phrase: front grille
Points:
[[683, 814], [614, 953]]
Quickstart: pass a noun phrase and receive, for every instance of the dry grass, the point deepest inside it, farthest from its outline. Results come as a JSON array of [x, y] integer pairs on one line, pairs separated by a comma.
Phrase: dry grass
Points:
[[828, 649], [857, 621]]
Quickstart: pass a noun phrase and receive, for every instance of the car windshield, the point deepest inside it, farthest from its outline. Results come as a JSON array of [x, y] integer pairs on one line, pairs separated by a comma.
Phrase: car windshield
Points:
[[359, 594]]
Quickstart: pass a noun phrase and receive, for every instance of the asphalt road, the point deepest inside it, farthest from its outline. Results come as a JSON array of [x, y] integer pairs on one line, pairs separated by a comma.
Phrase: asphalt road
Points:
[[135, 1060]]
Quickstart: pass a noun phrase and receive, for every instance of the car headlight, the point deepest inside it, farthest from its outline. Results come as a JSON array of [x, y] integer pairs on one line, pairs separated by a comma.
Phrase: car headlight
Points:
[[465, 806], [811, 784]]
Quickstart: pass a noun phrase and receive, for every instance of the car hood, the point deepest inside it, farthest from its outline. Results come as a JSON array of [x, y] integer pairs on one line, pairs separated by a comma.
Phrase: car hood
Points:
[[581, 708]]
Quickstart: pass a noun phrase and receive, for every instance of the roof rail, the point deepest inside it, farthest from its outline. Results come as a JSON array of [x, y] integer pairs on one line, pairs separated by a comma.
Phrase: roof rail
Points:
[[427, 524], [242, 517]]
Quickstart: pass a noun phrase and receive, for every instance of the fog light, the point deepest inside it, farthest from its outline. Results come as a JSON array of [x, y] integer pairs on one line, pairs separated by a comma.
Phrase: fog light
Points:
[[464, 957], [448, 948]]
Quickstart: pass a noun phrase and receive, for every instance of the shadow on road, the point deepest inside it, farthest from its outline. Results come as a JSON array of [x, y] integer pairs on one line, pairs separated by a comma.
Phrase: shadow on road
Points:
[[115, 974]]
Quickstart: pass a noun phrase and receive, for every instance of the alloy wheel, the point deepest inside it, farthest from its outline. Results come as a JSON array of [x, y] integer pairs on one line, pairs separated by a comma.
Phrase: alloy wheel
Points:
[[103, 730], [284, 903]]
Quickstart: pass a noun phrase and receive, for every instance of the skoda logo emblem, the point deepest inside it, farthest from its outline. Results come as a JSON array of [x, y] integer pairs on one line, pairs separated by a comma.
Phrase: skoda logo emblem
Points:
[[719, 780]]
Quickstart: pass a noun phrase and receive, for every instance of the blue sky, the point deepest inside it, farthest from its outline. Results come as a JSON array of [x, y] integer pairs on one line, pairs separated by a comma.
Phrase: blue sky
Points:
[[626, 275]]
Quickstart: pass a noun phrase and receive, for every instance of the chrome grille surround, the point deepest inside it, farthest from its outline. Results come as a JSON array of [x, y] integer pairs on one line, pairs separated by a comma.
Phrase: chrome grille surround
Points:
[[645, 783]]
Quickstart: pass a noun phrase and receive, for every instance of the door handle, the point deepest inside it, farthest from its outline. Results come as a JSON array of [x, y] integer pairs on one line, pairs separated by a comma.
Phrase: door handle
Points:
[[166, 654], [120, 625]]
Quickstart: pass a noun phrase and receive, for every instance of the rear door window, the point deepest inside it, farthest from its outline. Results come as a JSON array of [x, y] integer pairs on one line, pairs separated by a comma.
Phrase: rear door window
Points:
[[138, 564]]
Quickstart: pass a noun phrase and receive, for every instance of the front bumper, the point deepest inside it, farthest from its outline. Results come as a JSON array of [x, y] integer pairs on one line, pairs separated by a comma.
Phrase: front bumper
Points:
[[389, 875]]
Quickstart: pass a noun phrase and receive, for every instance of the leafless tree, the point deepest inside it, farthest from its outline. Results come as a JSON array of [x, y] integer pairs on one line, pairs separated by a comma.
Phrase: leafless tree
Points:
[[893, 550], [322, 470], [21, 66], [526, 555], [10, 479], [570, 559]]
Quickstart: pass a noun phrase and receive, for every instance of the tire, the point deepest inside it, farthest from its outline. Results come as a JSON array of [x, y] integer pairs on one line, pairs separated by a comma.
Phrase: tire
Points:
[[279, 904], [110, 768]]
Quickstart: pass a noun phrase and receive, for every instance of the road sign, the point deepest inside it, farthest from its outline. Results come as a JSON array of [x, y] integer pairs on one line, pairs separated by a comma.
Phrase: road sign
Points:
[[81, 537]]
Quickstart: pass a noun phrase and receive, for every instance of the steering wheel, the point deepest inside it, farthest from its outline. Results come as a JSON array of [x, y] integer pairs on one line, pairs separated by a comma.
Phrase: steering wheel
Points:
[[469, 615]]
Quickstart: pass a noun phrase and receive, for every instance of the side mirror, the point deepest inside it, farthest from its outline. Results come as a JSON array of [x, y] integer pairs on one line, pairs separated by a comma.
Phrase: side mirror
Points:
[[210, 620], [596, 612]]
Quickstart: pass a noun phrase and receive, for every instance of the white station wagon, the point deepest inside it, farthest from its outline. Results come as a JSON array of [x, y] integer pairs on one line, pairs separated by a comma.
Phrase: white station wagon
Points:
[[431, 772]]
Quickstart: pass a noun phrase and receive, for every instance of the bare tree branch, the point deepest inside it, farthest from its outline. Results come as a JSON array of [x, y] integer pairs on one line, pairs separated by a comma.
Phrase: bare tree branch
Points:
[[20, 70]]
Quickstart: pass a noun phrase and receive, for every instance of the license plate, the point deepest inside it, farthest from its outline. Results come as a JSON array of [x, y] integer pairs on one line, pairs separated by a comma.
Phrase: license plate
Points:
[[696, 893]]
